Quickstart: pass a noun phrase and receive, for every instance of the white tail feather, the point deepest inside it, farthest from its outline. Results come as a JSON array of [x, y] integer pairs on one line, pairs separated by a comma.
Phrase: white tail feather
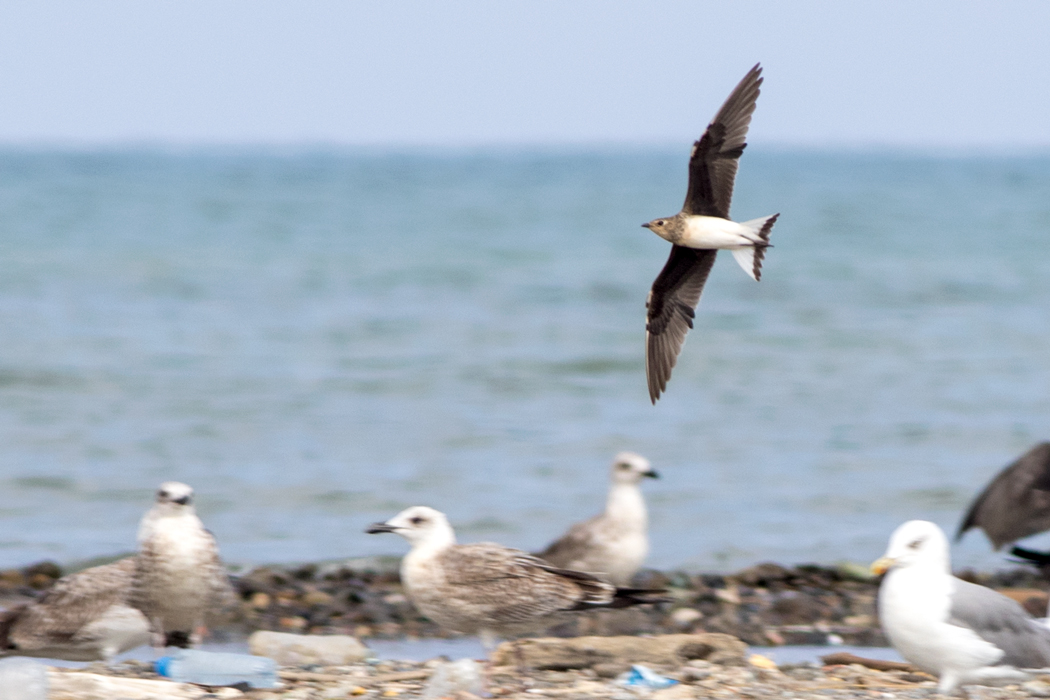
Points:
[[750, 258], [745, 257]]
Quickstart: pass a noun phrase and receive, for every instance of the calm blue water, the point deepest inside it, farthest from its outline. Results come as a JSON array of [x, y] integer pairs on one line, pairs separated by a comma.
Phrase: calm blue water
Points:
[[317, 340]]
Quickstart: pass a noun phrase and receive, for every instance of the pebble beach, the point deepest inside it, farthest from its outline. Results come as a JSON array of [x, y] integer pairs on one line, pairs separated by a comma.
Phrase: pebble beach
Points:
[[736, 674]]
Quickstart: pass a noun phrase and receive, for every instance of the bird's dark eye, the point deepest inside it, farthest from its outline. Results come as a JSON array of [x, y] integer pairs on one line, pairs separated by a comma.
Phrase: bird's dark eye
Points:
[[417, 520], [162, 494], [623, 465], [915, 544], [661, 222]]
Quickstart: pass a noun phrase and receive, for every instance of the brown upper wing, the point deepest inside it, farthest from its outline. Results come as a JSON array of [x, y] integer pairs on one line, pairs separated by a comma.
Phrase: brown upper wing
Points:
[[712, 166], [1016, 503], [508, 586], [571, 546], [71, 603], [674, 295]]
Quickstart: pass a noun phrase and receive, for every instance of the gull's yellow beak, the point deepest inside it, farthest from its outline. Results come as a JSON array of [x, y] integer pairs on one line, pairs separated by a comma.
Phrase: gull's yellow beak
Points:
[[882, 565]]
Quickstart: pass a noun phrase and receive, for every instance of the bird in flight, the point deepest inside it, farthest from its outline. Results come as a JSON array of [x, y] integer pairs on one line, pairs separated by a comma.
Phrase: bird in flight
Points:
[[700, 230]]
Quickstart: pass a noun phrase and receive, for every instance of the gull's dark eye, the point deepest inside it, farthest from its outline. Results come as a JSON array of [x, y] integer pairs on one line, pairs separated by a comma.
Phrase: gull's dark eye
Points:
[[162, 494], [624, 466], [417, 520], [915, 544]]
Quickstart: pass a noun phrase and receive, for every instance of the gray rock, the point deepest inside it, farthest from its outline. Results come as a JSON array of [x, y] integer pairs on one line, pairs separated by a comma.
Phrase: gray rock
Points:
[[302, 649]]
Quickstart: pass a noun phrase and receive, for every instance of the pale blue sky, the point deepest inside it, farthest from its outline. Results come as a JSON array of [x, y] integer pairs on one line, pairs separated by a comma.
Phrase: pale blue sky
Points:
[[899, 72]]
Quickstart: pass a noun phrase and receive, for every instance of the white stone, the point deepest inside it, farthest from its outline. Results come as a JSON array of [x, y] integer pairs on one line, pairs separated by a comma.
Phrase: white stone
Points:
[[454, 677], [1038, 689], [684, 617], [23, 679], [302, 649]]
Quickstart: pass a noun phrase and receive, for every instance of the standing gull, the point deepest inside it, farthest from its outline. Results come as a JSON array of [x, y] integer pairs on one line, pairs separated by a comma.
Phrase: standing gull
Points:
[[179, 579], [486, 588], [616, 542], [960, 631], [84, 617], [700, 230], [1015, 504]]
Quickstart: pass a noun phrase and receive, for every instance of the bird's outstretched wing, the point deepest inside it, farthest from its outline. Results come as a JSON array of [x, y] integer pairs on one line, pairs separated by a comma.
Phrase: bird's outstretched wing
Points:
[[674, 295], [1016, 503], [713, 163]]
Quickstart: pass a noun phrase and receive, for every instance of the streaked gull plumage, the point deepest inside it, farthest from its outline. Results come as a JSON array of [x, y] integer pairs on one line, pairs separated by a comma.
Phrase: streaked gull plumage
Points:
[[615, 543], [84, 617], [180, 581], [486, 588]]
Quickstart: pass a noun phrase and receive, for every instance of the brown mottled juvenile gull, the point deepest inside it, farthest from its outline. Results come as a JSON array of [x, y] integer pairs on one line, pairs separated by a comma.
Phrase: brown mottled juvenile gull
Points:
[[960, 631], [486, 588], [179, 579], [84, 617], [700, 230], [615, 543], [1016, 504]]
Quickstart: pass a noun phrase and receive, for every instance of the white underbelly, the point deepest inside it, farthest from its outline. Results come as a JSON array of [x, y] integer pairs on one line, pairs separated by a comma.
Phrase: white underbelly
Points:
[[714, 232]]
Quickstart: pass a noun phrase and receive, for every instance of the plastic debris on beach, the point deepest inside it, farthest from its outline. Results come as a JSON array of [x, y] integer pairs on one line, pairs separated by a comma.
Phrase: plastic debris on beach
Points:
[[644, 678]]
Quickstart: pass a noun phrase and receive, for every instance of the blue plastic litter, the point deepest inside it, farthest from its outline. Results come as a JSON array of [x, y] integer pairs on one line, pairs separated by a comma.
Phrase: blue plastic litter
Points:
[[215, 668], [644, 677]]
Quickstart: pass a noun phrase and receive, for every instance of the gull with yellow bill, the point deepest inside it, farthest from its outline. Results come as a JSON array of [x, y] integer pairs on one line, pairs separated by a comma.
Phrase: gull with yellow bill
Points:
[[962, 632]]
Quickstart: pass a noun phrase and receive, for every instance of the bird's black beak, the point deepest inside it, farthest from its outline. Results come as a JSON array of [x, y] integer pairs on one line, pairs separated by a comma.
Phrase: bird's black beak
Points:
[[652, 474], [184, 501], [647, 226], [376, 528]]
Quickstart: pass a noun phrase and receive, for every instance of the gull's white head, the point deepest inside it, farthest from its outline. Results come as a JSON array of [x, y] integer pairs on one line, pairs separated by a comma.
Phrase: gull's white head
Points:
[[630, 468], [174, 497], [915, 543], [419, 525]]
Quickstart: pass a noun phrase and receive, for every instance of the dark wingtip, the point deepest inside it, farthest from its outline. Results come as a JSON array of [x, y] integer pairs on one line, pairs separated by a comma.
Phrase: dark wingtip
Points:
[[1031, 556]]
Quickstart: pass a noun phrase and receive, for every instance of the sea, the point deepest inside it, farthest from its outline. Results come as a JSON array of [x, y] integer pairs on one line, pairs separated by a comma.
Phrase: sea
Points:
[[316, 338]]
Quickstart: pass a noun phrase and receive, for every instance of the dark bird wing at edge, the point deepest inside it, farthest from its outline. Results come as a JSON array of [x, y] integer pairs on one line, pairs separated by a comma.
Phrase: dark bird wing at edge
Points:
[[674, 295], [1016, 503], [713, 163]]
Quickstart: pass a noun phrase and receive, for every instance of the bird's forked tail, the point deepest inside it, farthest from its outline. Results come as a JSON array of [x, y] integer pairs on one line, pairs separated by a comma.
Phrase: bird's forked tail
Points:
[[750, 258]]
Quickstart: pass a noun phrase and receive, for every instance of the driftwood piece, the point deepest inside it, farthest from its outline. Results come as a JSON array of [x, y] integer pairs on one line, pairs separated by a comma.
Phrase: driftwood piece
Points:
[[845, 659]]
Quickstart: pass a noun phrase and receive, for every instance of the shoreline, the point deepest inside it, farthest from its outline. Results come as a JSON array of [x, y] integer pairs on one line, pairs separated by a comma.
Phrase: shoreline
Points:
[[763, 605]]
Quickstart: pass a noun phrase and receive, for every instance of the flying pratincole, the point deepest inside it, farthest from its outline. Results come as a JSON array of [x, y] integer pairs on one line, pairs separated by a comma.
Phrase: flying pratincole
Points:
[[84, 617], [615, 543], [488, 589], [179, 581], [958, 630], [1016, 504], [700, 230]]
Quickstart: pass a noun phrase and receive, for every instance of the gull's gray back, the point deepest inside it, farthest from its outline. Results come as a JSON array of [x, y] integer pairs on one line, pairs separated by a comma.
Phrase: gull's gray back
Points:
[[1003, 622]]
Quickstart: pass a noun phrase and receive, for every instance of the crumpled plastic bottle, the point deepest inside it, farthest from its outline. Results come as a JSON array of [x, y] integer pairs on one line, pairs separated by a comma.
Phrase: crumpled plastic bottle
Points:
[[644, 678], [215, 668]]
